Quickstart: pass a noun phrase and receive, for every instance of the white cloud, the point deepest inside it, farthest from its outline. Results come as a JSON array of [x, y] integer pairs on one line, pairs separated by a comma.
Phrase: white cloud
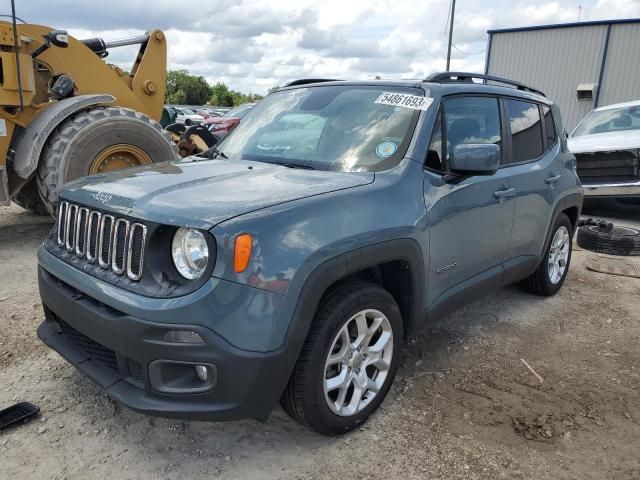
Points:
[[255, 44]]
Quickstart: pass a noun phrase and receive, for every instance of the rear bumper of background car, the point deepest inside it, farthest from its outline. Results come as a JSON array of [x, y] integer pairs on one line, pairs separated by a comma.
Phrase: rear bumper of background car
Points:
[[612, 189]]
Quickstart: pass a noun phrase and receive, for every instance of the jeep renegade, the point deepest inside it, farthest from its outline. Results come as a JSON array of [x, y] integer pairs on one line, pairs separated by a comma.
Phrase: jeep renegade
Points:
[[290, 261]]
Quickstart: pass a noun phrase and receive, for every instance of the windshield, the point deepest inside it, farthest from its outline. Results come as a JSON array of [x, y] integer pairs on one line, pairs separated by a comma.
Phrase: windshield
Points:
[[610, 120], [341, 128], [240, 111], [188, 111]]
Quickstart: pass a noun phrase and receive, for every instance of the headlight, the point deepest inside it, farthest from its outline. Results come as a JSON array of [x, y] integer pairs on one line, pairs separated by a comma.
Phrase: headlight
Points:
[[190, 252]]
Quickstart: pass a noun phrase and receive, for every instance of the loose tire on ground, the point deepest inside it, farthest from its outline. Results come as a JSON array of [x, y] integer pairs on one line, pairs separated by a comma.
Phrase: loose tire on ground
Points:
[[29, 199], [72, 148], [304, 397], [540, 282], [618, 241]]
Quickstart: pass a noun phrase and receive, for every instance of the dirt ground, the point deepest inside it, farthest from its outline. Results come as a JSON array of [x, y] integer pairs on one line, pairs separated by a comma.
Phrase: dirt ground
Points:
[[464, 405]]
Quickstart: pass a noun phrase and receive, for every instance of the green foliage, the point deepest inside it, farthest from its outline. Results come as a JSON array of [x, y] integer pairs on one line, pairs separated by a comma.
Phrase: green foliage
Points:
[[221, 96], [186, 89]]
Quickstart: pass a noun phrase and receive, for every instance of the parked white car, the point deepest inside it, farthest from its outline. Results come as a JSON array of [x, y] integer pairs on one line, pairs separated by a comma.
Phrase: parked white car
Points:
[[188, 116], [606, 144]]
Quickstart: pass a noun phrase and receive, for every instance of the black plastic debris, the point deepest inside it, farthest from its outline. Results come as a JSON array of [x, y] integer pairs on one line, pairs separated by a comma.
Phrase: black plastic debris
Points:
[[18, 413]]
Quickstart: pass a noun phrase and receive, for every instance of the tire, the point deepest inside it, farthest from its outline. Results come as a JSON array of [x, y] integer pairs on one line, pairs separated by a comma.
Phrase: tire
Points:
[[305, 398], [29, 199], [546, 281], [619, 241], [76, 143]]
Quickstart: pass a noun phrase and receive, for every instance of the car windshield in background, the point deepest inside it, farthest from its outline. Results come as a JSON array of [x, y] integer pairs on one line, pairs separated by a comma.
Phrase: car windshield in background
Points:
[[340, 128], [239, 112], [188, 111], [610, 120]]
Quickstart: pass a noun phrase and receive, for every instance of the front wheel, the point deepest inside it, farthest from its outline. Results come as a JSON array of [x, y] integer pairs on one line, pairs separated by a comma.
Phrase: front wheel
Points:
[[348, 361], [552, 271]]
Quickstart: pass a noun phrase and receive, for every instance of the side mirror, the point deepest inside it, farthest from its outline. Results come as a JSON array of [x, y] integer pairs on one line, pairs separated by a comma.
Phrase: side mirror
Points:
[[475, 159]]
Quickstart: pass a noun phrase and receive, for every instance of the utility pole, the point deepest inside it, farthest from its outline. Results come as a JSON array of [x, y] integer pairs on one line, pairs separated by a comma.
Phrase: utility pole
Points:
[[453, 11]]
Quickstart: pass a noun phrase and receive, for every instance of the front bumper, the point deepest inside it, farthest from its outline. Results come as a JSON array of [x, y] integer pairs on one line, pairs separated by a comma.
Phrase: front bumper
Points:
[[612, 189], [115, 350]]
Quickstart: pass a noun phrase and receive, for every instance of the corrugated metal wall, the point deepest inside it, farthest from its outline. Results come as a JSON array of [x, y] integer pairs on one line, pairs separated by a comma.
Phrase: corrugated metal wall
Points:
[[557, 60], [621, 79]]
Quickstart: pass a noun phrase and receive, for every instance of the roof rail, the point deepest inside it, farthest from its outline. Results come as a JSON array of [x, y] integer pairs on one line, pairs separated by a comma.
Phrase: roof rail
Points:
[[446, 77], [304, 81]]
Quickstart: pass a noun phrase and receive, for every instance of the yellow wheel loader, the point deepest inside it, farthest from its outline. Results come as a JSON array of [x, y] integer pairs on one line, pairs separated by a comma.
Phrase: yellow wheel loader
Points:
[[65, 113]]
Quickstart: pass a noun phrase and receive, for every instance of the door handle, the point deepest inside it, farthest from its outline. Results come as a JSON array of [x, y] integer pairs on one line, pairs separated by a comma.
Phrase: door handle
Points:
[[502, 194], [553, 179]]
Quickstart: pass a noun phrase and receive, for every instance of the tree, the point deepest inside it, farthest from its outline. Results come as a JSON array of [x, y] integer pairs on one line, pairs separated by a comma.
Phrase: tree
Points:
[[224, 97], [221, 96], [183, 88]]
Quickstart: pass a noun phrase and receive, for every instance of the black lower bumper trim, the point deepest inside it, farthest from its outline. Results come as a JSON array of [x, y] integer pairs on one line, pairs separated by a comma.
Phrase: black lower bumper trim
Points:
[[249, 384]]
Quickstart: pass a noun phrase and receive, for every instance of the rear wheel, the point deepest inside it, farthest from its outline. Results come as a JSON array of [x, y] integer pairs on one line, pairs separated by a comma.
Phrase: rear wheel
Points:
[[99, 140], [348, 361]]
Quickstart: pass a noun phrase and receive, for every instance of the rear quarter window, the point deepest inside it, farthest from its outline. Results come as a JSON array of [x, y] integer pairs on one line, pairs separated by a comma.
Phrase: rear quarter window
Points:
[[525, 126]]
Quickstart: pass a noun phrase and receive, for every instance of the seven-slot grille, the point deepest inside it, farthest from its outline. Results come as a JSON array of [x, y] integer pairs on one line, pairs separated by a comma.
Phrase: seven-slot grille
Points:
[[114, 243]]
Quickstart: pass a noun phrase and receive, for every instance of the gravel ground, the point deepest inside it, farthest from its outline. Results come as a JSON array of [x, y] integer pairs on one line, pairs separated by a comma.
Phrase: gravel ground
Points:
[[464, 406]]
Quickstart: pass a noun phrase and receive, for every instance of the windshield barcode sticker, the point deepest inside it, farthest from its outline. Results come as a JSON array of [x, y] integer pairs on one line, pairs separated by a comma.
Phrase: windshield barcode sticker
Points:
[[415, 102]]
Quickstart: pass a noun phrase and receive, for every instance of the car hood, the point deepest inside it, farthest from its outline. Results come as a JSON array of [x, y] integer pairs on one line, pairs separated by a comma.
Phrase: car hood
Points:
[[204, 193], [223, 119], [602, 142]]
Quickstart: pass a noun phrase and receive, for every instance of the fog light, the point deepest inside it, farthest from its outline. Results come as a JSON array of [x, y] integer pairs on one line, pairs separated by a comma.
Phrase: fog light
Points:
[[202, 373], [182, 336]]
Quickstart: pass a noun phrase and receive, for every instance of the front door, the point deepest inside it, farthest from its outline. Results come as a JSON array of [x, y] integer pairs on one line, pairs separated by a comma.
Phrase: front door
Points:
[[470, 220]]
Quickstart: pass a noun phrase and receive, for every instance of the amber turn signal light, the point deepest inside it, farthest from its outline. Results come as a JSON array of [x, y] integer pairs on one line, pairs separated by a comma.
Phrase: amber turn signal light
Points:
[[242, 252]]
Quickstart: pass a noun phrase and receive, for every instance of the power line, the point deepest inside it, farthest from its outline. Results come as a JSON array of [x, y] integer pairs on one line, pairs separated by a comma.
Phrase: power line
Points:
[[467, 53]]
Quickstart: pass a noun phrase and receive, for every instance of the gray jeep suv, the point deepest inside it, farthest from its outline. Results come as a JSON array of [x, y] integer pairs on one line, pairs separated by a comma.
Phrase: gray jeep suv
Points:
[[291, 261]]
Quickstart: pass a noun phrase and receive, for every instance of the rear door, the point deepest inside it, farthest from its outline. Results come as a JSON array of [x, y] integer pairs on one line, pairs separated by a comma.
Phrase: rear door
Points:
[[470, 219], [532, 147]]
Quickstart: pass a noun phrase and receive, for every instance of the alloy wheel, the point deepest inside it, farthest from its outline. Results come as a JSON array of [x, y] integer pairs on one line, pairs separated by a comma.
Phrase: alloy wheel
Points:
[[358, 362], [559, 254]]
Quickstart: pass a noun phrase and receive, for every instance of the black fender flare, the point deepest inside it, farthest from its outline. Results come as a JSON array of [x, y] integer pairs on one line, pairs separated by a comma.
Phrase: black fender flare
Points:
[[36, 134], [337, 268], [343, 265], [573, 200]]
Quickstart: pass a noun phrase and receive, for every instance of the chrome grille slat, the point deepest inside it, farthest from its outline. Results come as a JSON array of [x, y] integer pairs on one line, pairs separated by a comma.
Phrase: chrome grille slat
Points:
[[69, 234], [62, 221], [135, 250], [81, 231], [118, 259], [104, 245], [92, 235], [114, 243]]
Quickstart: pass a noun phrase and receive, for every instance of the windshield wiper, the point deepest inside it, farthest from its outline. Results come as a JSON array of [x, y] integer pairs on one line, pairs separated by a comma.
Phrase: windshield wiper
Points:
[[286, 164], [213, 152], [295, 165]]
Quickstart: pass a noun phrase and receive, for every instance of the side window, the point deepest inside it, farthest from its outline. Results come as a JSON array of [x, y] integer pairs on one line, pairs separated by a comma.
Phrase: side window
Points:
[[434, 153], [471, 120], [526, 130], [549, 126]]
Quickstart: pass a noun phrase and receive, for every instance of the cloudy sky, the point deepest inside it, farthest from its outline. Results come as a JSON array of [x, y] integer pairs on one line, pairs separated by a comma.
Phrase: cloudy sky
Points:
[[253, 45]]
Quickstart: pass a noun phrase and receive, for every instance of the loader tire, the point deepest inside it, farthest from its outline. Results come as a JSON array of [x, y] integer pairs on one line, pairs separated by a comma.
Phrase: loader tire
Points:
[[29, 199], [99, 140]]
